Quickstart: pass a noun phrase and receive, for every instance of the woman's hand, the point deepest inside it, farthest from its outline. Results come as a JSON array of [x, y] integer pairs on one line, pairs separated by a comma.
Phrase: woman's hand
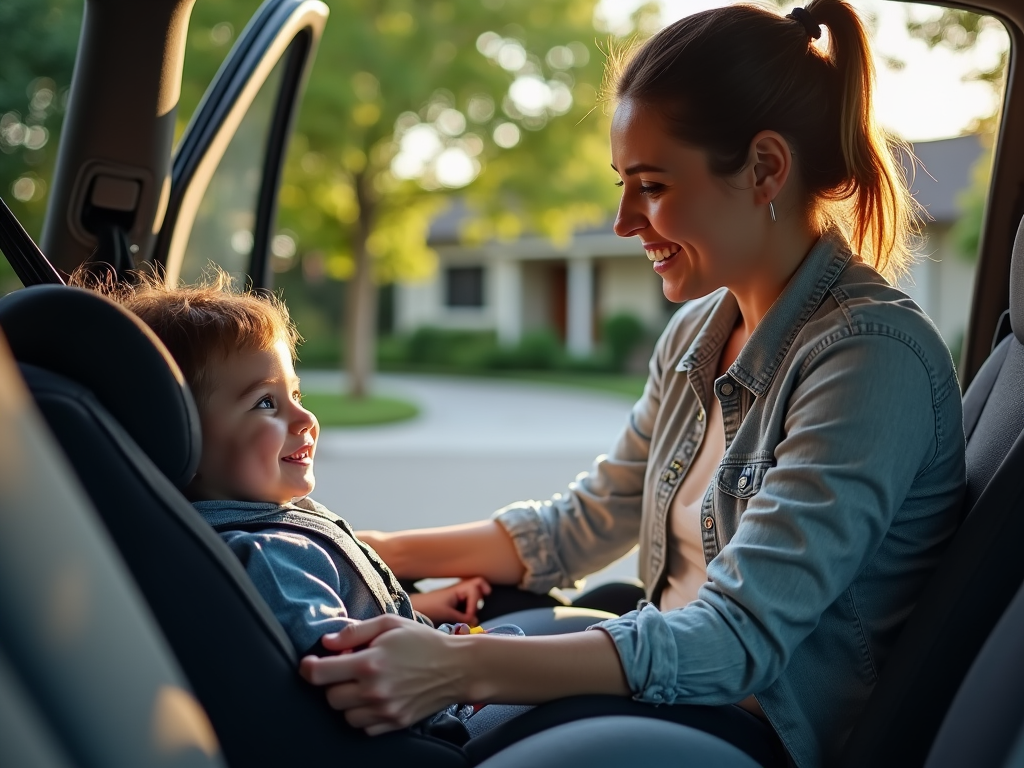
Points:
[[457, 603], [408, 671]]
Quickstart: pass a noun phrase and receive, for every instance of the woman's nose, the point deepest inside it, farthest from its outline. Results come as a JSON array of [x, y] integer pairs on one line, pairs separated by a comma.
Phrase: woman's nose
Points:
[[628, 222]]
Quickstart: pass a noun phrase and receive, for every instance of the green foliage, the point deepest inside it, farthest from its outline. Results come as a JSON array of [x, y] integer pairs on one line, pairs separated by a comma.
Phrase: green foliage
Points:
[[536, 351], [37, 54], [390, 73], [463, 351], [437, 347], [966, 231], [960, 31], [623, 334]]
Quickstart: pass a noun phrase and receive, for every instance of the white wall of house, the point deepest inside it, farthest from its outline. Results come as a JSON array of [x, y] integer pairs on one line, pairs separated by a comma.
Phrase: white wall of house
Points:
[[629, 285], [942, 283]]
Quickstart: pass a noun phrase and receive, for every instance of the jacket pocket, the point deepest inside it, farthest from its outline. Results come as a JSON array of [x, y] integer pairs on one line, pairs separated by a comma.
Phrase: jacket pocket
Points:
[[742, 481]]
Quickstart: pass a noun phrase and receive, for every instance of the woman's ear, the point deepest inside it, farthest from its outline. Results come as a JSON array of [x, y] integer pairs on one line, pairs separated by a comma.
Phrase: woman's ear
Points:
[[770, 163]]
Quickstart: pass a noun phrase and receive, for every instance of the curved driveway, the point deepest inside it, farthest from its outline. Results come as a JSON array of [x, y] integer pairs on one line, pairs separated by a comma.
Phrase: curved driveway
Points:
[[477, 445]]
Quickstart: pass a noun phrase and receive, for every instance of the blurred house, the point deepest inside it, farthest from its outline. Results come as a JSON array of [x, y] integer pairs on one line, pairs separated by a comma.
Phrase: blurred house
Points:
[[942, 280], [530, 284]]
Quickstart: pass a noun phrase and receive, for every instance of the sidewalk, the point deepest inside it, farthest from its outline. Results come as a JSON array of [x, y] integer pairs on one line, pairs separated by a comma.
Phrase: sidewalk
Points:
[[477, 445]]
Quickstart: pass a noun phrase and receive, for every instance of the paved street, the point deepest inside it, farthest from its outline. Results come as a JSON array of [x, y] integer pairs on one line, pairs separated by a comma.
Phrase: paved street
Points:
[[477, 445]]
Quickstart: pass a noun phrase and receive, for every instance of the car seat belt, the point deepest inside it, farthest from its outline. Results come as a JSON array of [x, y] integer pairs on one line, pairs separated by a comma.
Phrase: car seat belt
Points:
[[113, 251], [29, 263]]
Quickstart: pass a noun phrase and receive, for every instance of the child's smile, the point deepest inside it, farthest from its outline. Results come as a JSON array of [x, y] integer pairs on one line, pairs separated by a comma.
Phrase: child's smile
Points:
[[258, 440]]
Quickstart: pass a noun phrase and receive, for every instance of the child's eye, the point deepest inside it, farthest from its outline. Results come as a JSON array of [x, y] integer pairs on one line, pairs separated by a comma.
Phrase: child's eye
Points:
[[297, 396], [266, 402]]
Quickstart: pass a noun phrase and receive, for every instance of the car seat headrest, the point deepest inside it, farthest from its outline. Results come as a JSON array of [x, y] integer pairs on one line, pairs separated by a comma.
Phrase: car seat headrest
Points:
[[1017, 285], [93, 341]]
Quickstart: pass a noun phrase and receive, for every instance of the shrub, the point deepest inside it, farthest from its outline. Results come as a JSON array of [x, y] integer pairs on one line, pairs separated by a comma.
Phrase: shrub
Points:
[[536, 351], [623, 333]]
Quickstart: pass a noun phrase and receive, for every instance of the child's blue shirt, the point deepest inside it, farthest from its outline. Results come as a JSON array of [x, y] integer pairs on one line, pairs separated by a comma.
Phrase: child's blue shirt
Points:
[[308, 566]]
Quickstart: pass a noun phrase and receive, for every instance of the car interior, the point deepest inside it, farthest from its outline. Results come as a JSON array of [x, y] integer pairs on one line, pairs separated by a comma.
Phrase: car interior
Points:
[[112, 653]]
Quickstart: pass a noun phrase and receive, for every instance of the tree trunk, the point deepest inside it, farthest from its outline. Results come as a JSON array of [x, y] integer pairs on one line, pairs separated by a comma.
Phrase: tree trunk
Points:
[[360, 330]]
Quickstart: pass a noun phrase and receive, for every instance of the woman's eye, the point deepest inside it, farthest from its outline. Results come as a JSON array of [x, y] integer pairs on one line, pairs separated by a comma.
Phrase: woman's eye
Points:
[[266, 402], [619, 183], [650, 189]]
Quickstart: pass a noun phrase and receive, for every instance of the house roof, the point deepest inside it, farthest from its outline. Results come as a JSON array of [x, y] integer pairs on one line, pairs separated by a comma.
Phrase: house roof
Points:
[[947, 167]]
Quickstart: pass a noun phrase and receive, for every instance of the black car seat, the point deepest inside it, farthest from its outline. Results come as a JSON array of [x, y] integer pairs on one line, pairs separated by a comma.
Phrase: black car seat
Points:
[[118, 406], [985, 725], [86, 679], [979, 575]]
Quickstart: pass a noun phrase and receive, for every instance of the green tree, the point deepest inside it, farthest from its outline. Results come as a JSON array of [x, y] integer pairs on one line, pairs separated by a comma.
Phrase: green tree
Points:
[[37, 54], [413, 101]]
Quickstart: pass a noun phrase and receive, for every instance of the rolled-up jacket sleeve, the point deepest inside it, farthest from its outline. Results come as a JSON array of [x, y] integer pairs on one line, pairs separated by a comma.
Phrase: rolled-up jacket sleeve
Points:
[[597, 520], [852, 445], [298, 580]]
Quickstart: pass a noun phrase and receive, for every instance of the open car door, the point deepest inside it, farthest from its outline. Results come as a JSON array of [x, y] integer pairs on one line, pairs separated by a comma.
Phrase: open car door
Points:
[[226, 170]]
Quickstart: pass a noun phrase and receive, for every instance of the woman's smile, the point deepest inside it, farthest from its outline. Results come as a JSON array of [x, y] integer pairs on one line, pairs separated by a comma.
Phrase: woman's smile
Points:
[[661, 254]]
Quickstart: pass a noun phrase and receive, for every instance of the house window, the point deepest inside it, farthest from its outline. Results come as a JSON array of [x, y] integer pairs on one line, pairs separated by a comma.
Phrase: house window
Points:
[[464, 287]]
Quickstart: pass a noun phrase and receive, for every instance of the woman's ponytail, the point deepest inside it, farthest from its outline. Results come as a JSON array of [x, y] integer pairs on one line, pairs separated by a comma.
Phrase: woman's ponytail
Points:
[[880, 215]]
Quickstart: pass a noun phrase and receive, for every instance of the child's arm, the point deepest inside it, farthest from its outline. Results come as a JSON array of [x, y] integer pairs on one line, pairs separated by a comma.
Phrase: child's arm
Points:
[[297, 579], [473, 549], [457, 603]]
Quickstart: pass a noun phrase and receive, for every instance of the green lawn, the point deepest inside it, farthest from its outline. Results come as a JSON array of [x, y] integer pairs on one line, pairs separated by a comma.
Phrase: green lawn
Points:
[[336, 410]]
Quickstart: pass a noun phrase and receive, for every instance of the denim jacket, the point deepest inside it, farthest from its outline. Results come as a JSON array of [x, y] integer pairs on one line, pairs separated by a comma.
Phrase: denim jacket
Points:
[[840, 486]]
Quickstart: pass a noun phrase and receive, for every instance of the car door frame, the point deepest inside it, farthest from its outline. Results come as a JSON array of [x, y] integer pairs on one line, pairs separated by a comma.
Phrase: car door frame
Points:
[[287, 30]]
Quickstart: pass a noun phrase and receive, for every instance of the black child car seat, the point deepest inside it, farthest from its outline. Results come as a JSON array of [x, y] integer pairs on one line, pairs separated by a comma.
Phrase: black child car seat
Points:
[[118, 406]]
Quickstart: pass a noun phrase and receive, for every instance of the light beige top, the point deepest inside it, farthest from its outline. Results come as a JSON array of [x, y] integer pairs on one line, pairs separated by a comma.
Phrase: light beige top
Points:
[[687, 568]]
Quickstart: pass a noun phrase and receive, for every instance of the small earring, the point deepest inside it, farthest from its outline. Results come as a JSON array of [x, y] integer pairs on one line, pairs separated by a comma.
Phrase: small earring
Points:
[[771, 210]]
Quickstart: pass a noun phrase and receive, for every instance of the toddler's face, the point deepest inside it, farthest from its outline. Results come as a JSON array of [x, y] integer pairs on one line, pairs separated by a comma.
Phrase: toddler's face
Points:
[[258, 440]]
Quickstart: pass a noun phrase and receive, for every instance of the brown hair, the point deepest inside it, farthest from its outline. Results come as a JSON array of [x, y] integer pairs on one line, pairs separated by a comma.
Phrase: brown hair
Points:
[[196, 322], [721, 76]]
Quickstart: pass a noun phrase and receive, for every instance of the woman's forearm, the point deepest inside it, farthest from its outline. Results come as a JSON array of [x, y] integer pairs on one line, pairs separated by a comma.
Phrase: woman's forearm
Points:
[[473, 549], [531, 670]]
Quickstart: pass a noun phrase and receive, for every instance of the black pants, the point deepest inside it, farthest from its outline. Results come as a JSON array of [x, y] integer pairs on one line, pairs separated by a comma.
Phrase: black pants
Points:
[[729, 723]]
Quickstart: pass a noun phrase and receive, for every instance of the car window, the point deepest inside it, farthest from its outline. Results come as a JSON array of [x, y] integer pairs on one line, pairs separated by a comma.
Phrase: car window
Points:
[[226, 219]]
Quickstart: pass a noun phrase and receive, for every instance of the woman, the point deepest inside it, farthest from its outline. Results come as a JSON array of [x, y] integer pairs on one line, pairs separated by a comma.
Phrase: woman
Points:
[[796, 463]]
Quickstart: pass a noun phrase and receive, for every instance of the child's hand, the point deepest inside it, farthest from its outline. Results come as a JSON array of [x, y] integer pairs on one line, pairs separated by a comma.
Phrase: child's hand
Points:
[[457, 603]]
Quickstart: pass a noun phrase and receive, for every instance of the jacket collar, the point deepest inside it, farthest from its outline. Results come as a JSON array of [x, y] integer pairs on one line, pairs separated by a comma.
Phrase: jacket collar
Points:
[[768, 345]]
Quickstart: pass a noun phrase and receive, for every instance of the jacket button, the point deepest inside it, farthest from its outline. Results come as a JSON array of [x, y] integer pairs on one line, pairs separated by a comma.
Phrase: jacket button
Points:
[[709, 523], [728, 389], [742, 482]]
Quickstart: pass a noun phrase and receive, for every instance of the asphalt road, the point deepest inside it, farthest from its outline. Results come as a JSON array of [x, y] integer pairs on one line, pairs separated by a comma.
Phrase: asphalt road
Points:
[[477, 445]]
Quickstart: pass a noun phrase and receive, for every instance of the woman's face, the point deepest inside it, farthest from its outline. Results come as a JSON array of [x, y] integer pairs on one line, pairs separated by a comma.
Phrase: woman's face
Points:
[[698, 229]]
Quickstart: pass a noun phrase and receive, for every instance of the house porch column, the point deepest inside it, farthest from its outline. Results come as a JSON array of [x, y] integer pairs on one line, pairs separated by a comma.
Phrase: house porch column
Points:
[[580, 307], [508, 301]]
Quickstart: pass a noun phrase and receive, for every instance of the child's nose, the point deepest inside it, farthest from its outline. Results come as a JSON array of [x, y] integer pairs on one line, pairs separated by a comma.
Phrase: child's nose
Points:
[[304, 421]]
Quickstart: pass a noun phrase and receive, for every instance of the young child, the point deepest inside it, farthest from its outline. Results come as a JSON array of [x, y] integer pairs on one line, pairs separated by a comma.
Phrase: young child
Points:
[[236, 351]]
